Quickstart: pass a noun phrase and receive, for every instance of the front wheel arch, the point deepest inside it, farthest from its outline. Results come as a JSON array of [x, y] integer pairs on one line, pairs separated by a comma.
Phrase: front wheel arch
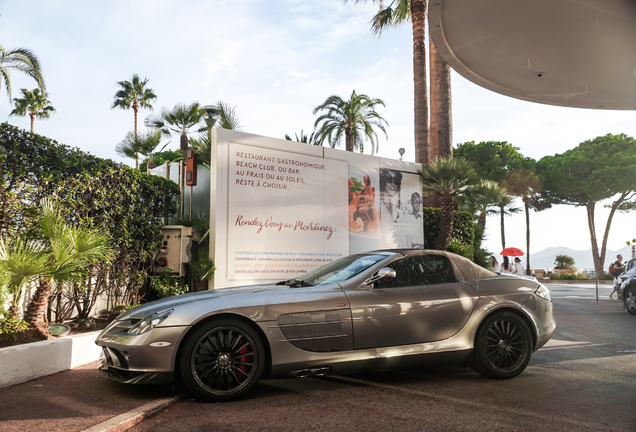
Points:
[[205, 321]]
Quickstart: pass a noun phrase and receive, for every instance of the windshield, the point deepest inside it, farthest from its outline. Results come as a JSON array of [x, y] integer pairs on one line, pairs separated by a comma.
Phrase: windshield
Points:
[[337, 271]]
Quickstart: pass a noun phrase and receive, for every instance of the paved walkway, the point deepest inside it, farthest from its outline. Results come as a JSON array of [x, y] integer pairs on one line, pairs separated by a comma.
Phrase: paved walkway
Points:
[[80, 399]]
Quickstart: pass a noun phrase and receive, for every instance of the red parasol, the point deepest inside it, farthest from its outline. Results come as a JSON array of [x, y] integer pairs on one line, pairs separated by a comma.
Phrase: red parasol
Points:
[[511, 251]]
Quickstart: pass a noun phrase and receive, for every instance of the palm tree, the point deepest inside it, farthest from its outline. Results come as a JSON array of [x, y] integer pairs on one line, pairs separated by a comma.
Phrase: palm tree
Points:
[[441, 127], [451, 179], [355, 118], [35, 104], [68, 251], [23, 60], [304, 138], [145, 144], [486, 195], [393, 15], [179, 120], [20, 263], [134, 94], [225, 117]]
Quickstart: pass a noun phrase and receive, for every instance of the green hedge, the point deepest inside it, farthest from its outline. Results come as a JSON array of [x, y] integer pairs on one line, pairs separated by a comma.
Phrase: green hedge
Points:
[[128, 205], [463, 228], [567, 276]]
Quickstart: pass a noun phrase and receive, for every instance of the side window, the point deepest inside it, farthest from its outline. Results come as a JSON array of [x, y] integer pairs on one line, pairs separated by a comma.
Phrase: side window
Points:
[[419, 270], [437, 270]]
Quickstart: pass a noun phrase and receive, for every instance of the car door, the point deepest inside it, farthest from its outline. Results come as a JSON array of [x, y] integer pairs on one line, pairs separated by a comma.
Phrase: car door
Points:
[[423, 303]]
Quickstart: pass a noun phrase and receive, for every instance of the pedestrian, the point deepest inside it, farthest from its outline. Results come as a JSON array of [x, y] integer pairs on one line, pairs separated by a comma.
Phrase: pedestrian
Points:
[[506, 267], [495, 265], [518, 267], [617, 268]]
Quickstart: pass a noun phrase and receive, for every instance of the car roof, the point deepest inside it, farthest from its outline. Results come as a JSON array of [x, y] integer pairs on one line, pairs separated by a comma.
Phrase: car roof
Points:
[[465, 270]]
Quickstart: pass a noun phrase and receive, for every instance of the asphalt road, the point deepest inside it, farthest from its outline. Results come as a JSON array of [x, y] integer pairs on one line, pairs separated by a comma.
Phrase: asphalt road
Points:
[[583, 380]]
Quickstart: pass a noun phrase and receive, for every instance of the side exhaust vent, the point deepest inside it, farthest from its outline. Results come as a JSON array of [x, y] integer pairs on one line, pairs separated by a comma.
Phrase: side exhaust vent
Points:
[[304, 373]]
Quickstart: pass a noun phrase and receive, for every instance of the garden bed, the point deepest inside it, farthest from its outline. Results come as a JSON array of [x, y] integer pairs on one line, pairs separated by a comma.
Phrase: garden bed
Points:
[[28, 361]]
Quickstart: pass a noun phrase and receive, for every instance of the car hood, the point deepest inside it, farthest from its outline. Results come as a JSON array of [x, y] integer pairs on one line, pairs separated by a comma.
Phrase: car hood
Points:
[[202, 296]]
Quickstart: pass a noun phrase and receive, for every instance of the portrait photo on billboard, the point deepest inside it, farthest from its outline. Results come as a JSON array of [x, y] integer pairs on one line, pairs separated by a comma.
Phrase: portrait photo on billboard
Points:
[[401, 209]]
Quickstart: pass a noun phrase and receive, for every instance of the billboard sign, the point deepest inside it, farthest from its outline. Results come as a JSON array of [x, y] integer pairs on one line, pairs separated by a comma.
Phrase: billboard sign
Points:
[[280, 208]]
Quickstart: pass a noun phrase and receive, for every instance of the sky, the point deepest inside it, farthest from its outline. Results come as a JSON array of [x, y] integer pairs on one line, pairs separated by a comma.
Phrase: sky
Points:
[[274, 62]]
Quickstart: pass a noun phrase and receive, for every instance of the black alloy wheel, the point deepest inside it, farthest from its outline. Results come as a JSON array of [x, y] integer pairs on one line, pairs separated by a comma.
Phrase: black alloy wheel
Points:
[[630, 299], [222, 360], [503, 346]]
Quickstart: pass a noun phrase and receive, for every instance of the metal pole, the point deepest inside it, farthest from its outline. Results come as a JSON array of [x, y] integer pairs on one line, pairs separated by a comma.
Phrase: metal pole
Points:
[[167, 176], [596, 287], [190, 202], [181, 189]]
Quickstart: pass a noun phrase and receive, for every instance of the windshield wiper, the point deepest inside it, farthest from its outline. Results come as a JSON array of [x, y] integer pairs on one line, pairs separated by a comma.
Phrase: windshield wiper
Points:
[[297, 283]]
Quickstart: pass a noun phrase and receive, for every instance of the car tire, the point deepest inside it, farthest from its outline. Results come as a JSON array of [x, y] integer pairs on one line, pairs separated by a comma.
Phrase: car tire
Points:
[[630, 299], [222, 360], [503, 346]]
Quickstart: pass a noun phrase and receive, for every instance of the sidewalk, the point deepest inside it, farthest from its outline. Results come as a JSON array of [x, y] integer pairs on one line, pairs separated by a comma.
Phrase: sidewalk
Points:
[[79, 399]]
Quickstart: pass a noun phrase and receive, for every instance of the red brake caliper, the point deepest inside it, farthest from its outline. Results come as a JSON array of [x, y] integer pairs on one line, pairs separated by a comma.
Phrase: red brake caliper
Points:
[[242, 360]]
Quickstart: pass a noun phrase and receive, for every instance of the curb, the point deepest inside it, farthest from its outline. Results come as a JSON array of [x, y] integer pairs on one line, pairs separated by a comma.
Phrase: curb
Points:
[[133, 417], [588, 281]]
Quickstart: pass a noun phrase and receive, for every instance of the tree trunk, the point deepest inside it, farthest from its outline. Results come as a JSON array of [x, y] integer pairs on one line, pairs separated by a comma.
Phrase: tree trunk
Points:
[[441, 128], [14, 311], [32, 116], [184, 142], [135, 107], [481, 220], [418, 18], [615, 205], [349, 142], [445, 223], [36, 310], [598, 264], [502, 214]]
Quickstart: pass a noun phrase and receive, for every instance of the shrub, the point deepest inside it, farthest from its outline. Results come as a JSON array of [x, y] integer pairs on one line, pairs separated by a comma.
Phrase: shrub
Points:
[[128, 205], [563, 262], [10, 327], [567, 276], [463, 229], [165, 285]]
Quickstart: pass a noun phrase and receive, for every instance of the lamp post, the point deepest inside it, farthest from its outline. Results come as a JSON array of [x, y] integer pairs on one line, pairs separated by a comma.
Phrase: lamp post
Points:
[[401, 150], [210, 119]]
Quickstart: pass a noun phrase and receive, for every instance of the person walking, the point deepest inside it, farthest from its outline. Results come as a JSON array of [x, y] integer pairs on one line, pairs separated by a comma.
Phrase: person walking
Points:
[[617, 268]]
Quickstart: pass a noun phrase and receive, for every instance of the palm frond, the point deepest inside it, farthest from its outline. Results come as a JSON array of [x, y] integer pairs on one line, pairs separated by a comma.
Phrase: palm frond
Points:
[[22, 262], [22, 60]]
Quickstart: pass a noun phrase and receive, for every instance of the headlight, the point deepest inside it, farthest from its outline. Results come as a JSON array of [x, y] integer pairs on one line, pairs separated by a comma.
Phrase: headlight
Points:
[[544, 293], [149, 322]]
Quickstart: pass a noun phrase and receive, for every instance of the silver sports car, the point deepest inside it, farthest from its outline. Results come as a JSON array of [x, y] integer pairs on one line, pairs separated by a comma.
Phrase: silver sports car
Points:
[[372, 311]]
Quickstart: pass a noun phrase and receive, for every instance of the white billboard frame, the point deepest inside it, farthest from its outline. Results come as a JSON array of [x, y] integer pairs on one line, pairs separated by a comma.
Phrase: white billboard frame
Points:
[[316, 219]]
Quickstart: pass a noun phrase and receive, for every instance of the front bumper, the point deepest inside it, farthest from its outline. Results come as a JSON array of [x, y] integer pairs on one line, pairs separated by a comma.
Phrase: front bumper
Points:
[[147, 358], [127, 376]]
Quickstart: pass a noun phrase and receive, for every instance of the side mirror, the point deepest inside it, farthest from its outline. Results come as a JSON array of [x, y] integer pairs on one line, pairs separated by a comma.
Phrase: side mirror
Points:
[[384, 272]]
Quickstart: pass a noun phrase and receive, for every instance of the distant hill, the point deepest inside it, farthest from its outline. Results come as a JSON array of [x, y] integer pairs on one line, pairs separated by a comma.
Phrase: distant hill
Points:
[[582, 259]]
